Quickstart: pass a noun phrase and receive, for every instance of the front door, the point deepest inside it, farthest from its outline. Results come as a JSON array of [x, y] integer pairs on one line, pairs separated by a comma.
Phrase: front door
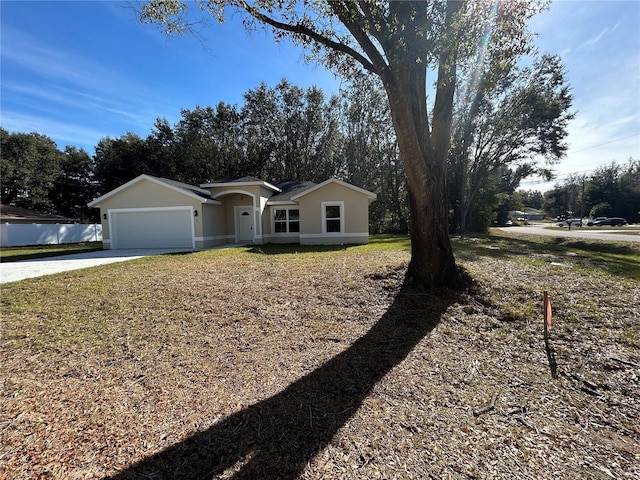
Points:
[[245, 224]]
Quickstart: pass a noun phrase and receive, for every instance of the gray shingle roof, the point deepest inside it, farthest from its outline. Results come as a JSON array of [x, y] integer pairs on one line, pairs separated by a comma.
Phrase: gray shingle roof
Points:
[[238, 179], [289, 189]]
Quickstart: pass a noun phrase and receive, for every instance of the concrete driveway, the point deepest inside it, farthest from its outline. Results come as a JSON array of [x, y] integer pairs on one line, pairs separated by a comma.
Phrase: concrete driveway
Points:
[[14, 271]]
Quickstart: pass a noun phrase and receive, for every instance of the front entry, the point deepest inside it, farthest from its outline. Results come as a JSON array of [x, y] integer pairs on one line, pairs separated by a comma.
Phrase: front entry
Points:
[[244, 222]]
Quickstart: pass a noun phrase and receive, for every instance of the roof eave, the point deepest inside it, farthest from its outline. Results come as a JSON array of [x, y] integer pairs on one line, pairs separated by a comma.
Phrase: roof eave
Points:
[[281, 202], [245, 184]]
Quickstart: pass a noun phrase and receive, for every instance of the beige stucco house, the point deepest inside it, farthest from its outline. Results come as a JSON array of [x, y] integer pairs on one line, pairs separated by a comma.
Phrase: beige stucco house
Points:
[[152, 212]]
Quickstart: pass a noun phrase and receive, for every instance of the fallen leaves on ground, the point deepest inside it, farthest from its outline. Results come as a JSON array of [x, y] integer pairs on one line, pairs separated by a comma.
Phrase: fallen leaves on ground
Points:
[[241, 364]]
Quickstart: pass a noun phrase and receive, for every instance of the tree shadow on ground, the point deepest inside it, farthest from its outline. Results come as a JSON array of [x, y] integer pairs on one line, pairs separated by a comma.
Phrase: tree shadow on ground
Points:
[[289, 248], [471, 246], [277, 437], [614, 258]]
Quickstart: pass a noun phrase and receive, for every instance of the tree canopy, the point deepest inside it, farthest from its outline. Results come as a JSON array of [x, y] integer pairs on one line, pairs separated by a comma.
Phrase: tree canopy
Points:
[[402, 43], [279, 133], [509, 127], [29, 163], [36, 175]]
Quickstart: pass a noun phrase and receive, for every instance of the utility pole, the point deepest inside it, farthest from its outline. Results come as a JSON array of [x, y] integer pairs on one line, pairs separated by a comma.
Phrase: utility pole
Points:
[[582, 202]]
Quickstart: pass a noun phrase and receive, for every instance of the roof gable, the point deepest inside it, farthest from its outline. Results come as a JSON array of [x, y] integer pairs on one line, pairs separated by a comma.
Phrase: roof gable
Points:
[[240, 181], [372, 196], [189, 190]]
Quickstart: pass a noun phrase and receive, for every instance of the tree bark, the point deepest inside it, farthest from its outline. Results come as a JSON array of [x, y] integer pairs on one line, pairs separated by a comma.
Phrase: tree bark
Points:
[[424, 153], [432, 261]]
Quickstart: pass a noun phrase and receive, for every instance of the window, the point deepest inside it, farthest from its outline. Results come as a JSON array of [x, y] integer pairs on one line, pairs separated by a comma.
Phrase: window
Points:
[[332, 217], [281, 221], [286, 221], [294, 220]]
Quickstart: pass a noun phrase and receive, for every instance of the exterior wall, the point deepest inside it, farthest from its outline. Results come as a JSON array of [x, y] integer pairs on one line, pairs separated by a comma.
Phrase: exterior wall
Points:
[[213, 222], [262, 215], [529, 214], [146, 194], [355, 212]]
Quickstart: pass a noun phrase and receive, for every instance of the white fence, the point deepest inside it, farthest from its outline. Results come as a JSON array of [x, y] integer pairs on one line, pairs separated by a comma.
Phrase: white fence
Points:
[[18, 234]]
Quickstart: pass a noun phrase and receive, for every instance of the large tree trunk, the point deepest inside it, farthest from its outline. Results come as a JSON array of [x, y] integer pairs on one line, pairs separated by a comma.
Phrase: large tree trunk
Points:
[[432, 261], [424, 155]]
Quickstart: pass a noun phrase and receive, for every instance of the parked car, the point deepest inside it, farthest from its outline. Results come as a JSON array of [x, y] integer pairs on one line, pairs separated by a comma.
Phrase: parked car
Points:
[[613, 221], [575, 222], [508, 223], [590, 223]]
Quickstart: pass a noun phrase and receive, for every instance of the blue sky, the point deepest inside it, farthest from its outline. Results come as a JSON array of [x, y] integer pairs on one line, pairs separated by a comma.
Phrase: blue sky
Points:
[[599, 43], [79, 71]]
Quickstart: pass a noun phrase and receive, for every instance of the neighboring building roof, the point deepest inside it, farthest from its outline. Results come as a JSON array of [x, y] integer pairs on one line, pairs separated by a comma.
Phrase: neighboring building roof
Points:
[[191, 190], [10, 213], [528, 211]]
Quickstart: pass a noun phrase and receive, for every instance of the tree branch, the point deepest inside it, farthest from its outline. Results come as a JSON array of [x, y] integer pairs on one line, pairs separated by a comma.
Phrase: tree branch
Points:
[[305, 31], [442, 108], [348, 14], [377, 25]]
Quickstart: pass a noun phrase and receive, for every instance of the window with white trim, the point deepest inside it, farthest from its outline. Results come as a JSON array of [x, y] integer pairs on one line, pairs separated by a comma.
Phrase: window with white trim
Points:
[[286, 220], [333, 217]]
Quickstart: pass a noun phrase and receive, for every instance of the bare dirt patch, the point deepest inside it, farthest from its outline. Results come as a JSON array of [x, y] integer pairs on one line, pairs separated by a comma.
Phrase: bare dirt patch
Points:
[[251, 364]]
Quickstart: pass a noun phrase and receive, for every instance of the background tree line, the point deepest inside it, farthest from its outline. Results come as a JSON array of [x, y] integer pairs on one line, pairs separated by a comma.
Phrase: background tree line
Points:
[[610, 191], [280, 133], [510, 126], [277, 134], [38, 176]]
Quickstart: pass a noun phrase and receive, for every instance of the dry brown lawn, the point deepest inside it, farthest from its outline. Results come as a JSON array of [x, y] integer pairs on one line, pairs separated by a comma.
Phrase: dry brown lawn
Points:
[[266, 363]]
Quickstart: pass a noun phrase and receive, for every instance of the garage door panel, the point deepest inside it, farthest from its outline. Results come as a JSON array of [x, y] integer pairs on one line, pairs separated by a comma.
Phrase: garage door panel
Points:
[[153, 229]]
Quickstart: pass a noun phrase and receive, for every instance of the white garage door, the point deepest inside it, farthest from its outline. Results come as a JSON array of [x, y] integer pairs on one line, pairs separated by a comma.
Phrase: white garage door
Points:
[[152, 228]]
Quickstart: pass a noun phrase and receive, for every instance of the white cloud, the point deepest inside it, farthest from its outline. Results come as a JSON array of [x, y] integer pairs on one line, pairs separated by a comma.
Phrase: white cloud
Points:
[[45, 62], [597, 38], [61, 83], [63, 133]]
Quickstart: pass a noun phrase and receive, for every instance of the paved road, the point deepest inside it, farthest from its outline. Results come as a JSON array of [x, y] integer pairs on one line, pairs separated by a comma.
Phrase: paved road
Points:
[[614, 234], [14, 271]]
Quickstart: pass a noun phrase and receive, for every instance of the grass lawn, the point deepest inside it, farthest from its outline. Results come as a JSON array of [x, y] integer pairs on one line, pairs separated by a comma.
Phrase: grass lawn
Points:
[[294, 362], [14, 254]]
